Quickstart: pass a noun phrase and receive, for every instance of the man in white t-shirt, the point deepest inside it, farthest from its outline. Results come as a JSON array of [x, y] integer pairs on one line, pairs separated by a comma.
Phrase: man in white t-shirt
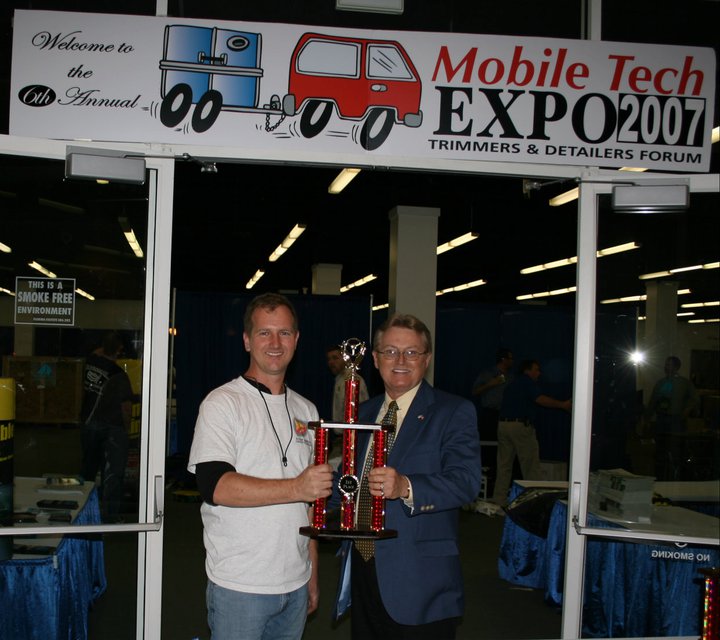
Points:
[[252, 454]]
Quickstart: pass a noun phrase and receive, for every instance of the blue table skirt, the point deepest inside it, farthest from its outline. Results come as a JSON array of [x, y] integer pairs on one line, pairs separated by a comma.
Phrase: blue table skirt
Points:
[[49, 598], [631, 589]]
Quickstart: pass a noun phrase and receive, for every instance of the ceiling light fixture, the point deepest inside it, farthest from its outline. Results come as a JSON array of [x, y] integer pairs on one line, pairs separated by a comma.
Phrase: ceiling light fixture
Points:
[[461, 287], [636, 169], [663, 274], [84, 294], [619, 248], [460, 240], [639, 298], [704, 320], [38, 267], [134, 244], [358, 283], [4, 248], [3, 290], [294, 234], [130, 237], [679, 315], [547, 294], [378, 307], [564, 198], [251, 283], [696, 305], [715, 135], [342, 180]]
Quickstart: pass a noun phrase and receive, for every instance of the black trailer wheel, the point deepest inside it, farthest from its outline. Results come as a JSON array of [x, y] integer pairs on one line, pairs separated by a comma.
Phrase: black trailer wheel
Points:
[[176, 105], [315, 117], [207, 110], [375, 130]]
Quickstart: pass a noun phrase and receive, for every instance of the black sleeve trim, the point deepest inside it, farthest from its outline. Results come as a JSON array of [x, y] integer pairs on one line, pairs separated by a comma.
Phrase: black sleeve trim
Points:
[[207, 475]]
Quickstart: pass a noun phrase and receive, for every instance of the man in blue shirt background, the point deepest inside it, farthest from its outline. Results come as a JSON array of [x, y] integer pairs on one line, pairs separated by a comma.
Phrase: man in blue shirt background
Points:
[[516, 431]]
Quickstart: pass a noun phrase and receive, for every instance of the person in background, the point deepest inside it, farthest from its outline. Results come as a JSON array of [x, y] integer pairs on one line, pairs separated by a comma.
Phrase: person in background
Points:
[[105, 417], [672, 401], [336, 364], [411, 586], [489, 386], [516, 430], [252, 454]]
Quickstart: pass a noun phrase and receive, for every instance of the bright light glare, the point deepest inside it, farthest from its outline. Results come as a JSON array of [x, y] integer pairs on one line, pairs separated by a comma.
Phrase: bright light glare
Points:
[[637, 357]]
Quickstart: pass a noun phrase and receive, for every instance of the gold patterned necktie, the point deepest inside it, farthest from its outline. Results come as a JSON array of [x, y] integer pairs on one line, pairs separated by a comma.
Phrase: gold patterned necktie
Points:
[[366, 547]]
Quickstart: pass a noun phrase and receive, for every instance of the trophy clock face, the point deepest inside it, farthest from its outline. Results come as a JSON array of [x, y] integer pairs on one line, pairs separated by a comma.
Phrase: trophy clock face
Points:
[[348, 485]]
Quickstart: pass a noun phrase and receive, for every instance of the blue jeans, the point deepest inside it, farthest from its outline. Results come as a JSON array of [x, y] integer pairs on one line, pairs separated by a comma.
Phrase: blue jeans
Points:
[[236, 615]]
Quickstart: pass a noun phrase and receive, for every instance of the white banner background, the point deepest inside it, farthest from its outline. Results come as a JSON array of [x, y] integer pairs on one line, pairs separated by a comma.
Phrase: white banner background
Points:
[[88, 76]]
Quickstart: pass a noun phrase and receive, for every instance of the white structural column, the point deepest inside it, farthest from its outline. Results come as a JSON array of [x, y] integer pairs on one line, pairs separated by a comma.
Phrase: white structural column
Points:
[[326, 279], [413, 263]]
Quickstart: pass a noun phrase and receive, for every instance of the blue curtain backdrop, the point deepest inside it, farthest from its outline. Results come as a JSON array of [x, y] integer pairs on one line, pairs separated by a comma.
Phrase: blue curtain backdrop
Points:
[[209, 351], [469, 335]]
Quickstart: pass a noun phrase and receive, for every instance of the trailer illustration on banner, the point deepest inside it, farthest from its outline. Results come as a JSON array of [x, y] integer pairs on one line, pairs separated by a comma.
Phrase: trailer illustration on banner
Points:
[[207, 70]]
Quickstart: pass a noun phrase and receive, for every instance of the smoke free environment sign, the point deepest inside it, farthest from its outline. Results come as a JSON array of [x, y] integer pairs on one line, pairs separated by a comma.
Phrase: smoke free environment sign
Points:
[[45, 301]]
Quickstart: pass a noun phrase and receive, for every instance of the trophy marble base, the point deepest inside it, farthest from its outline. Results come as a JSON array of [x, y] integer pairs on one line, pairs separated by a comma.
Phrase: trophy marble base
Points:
[[347, 534]]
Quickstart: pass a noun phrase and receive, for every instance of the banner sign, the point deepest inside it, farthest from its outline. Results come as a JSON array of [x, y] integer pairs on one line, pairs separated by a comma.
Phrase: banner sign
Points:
[[276, 87], [48, 301]]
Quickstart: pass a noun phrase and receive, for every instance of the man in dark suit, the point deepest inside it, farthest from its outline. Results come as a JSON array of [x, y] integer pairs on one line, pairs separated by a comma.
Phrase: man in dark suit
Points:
[[412, 586]]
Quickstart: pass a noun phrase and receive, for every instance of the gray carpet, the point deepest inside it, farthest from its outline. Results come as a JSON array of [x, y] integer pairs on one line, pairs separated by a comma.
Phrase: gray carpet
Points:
[[494, 608]]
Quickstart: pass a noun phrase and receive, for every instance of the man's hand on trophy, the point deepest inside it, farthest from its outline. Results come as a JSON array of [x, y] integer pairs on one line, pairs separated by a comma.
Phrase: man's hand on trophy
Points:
[[387, 483], [315, 482]]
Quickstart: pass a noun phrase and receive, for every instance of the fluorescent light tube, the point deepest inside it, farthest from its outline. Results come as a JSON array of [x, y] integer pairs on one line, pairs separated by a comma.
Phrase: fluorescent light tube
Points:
[[358, 283], [461, 287], [563, 262], [564, 198], [695, 305], [342, 180], [84, 294], [546, 294], [38, 267], [290, 238], [460, 240], [663, 274], [251, 283]]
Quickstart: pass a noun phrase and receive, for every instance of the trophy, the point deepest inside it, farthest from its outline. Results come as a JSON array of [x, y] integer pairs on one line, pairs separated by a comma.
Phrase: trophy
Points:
[[352, 351], [711, 603]]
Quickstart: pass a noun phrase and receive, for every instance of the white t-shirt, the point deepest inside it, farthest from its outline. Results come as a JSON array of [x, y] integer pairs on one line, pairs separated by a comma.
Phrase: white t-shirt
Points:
[[255, 549]]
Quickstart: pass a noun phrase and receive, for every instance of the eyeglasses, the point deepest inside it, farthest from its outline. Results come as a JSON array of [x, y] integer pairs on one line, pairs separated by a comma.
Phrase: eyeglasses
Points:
[[391, 353]]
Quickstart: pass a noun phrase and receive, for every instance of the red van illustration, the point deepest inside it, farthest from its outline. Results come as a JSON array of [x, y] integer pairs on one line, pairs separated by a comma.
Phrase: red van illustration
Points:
[[366, 80], [206, 70]]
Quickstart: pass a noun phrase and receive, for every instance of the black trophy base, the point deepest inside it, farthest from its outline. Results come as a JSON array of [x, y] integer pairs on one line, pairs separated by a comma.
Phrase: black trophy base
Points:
[[347, 534]]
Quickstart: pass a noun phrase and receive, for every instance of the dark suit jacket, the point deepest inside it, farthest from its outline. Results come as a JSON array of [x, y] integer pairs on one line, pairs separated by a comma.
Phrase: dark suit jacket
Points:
[[438, 449]]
